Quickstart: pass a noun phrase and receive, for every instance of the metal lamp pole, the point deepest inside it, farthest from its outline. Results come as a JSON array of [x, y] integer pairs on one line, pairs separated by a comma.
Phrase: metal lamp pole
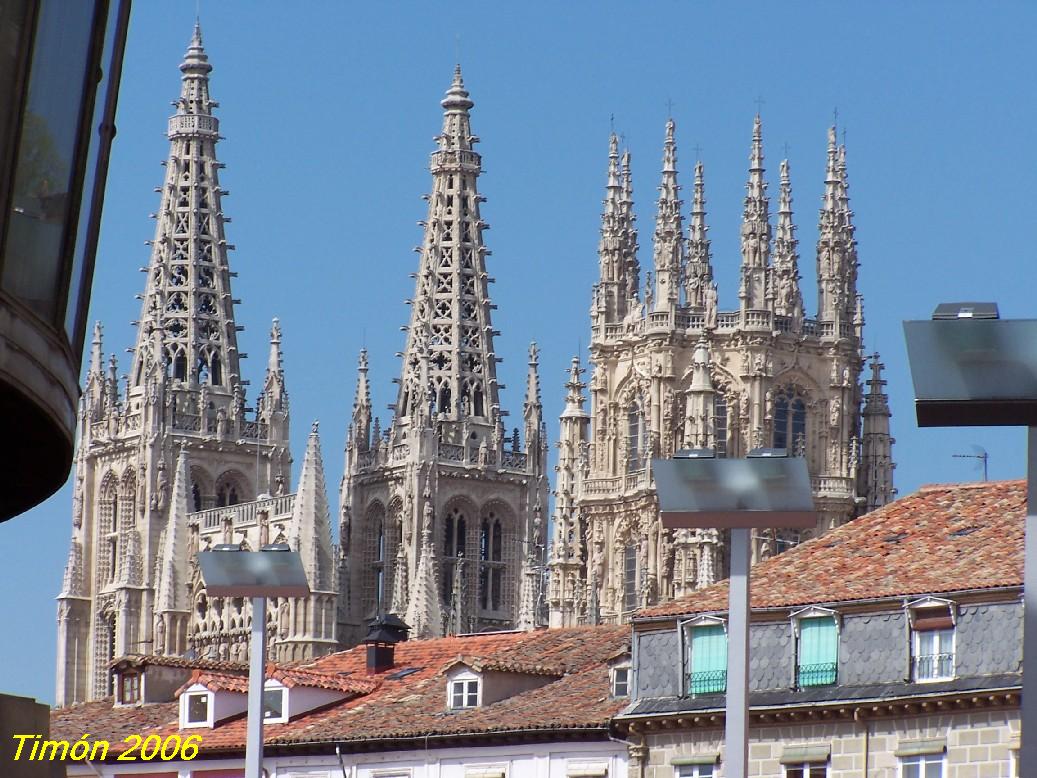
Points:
[[276, 571], [766, 489]]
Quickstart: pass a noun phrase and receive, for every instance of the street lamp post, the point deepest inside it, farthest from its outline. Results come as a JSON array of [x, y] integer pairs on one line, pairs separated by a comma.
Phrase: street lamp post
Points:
[[970, 368], [766, 489], [275, 571]]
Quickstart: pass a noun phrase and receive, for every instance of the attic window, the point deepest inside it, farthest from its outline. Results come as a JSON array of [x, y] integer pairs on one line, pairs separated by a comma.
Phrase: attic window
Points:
[[464, 693], [273, 706], [621, 681], [197, 710], [129, 688], [402, 673]]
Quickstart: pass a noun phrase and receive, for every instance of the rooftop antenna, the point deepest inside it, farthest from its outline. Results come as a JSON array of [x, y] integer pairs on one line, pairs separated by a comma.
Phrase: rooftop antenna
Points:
[[979, 453]]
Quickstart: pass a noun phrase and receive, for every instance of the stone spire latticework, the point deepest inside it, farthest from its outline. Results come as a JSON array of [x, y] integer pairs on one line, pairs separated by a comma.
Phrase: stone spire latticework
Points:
[[447, 460], [669, 231], [700, 289], [788, 299], [756, 230]]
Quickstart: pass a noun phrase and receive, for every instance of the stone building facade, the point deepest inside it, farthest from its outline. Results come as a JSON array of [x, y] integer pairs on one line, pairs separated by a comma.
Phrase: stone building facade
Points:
[[919, 675], [443, 514], [161, 459], [672, 371]]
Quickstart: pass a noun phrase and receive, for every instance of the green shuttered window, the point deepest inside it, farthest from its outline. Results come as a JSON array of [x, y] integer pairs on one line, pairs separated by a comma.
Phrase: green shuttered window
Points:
[[708, 659], [818, 651]]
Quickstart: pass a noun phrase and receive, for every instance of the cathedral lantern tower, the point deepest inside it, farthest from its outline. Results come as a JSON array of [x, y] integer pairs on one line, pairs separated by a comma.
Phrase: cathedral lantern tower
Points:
[[169, 463], [670, 371], [440, 512]]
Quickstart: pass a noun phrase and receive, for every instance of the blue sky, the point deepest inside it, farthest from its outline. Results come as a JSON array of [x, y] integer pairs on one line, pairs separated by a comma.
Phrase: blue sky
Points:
[[329, 110]]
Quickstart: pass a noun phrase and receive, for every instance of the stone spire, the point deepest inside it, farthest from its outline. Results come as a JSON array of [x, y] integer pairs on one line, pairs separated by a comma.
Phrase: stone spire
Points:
[[360, 424], [187, 328], [172, 575], [788, 297], [272, 406], [698, 273], [449, 363], [836, 247], [567, 579], [875, 479], [532, 408], [756, 230], [628, 233], [310, 532], [669, 231], [424, 613], [611, 292], [698, 422]]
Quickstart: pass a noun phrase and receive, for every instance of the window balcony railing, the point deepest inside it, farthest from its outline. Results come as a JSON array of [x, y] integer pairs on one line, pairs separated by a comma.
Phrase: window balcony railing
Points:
[[822, 674], [708, 682], [932, 667]]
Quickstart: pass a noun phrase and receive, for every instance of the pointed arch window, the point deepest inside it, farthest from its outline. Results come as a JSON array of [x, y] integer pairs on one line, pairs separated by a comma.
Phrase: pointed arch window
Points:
[[720, 424], [635, 436], [455, 532], [629, 578], [379, 566], [109, 534], [790, 420], [491, 564]]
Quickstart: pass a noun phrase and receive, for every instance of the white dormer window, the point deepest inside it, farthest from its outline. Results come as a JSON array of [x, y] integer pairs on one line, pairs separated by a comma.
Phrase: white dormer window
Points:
[[275, 709], [196, 709], [621, 681], [464, 693]]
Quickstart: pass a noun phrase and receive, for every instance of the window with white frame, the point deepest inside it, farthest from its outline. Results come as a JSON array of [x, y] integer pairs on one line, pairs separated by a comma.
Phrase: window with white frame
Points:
[[694, 771], [196, 709], [817, 647], [705, 656], [932, 640], [464, 693], [274, 708], [921, 766], [806, 770], [621, 681]]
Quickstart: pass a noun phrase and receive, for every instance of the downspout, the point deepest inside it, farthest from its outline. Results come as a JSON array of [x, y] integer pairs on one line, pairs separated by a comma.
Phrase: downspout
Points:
[[341, 761], [857, 717]]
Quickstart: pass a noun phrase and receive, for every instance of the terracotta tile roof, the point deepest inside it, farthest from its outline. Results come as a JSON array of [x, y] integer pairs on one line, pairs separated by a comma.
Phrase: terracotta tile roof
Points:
[[216, 681], [943, 538], [414, 706], [293, 676], [505, 665], [143, 660], [116, 722]]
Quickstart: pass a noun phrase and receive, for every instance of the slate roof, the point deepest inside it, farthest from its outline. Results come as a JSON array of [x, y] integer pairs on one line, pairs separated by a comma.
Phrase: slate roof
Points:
[[942, 538], [412, 706]]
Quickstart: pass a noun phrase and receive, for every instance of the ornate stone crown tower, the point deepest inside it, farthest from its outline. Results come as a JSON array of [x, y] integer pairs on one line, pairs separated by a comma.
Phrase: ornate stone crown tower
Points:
[[670, 371], [160, 462], [442, 515]]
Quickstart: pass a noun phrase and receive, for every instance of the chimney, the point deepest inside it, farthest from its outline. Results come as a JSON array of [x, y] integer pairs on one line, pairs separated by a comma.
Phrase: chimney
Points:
[[384, 632]]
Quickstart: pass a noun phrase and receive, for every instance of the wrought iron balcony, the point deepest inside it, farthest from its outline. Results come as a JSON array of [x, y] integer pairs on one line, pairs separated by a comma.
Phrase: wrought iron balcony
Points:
[[708, 682], [822, 674], [932, 667]]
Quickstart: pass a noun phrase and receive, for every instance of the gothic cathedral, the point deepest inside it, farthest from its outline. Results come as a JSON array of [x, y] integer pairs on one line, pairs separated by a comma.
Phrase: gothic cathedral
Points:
[[671, 371], [443, 514]]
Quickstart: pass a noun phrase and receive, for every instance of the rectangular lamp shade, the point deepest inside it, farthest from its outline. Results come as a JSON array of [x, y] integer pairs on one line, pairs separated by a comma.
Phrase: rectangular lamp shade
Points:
[[253, 574], [974, 372], [734, 493]]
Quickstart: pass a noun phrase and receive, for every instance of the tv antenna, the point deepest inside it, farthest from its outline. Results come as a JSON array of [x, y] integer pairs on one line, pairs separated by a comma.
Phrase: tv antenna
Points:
[[979, 453]]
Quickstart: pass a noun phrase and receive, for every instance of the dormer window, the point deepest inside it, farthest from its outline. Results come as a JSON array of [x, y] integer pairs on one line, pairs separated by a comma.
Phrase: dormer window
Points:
[[197, 709], [129, 688], [817, 647], [705, 655], [932, 639], [621, 681], [464, 693], [274, 709]]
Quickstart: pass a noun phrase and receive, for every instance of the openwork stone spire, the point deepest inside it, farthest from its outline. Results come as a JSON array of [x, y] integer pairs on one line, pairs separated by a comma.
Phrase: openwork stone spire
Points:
[[788, 297], [449, 365], [187, 329], [836, 246], [628, 233], [699, 270], [669, 230], [756, 229]]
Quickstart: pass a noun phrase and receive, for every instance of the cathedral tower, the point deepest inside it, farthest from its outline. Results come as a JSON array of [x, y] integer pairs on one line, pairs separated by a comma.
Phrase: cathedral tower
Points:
[[671, 371], [166, 463], [439, 515]]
